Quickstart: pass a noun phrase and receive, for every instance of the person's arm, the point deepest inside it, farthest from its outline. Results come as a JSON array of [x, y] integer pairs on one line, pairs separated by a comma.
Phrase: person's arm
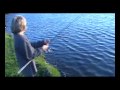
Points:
[[30, 52], [40, 43], [37, 44]]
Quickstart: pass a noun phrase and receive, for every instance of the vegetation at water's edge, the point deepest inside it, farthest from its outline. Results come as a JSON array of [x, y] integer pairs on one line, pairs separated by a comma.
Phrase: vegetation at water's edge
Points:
[[11, 66]]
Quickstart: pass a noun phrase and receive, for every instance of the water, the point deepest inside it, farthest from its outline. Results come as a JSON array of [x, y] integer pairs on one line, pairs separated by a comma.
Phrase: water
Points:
[[83, 44]]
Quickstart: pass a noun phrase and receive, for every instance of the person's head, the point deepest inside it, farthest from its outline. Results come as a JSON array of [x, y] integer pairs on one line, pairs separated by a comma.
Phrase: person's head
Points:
[[18, 24]]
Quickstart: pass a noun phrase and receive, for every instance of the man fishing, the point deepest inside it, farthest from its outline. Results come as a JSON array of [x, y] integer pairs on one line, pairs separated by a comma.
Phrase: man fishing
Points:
[[26, 51]]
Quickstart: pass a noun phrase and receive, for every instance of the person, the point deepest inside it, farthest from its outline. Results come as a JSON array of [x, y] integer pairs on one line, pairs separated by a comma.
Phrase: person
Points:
[[24, 49]]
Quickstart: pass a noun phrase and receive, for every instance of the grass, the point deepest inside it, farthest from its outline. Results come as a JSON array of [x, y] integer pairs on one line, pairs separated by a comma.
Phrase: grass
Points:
[[11, 67]]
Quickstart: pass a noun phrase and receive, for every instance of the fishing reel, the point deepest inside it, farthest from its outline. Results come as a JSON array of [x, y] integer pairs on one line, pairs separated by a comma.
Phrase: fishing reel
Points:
[[47, 42]]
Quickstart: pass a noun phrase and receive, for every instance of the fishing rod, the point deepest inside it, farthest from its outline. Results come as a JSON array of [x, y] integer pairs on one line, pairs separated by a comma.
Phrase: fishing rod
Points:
[[63, 29], [54, 38], [23, 67]]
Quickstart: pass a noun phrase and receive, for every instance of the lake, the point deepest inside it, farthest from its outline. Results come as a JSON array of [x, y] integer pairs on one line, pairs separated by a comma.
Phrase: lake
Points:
[[82, 44]]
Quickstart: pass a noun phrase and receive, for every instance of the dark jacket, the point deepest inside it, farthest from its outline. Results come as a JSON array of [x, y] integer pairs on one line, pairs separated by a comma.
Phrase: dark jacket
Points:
[[26, 51]]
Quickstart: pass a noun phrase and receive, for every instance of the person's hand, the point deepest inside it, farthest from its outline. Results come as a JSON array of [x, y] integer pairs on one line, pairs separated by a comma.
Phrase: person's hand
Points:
[[45, 47]]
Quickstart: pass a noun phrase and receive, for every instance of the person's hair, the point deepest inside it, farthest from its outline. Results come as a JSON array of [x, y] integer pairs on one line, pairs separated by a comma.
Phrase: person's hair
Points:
[[18, 24]]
